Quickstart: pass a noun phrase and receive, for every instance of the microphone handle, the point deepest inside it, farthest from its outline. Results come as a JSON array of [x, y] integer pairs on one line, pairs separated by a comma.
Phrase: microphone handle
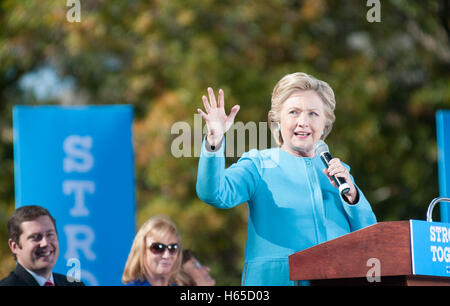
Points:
[[339, 181]]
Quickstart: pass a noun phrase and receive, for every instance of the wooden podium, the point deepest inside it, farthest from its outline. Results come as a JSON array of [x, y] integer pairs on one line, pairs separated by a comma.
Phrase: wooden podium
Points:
[[344, 260]]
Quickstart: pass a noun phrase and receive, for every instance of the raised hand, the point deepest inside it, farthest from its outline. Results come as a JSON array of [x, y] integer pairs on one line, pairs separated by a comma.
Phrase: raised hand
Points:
[[217, 122]]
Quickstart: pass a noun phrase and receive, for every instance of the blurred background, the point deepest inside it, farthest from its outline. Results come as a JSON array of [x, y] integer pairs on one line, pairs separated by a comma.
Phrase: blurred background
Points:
[[389, 77]]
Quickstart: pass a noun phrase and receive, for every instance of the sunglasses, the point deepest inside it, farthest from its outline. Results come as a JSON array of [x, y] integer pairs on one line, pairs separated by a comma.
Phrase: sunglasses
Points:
[[159, 248]]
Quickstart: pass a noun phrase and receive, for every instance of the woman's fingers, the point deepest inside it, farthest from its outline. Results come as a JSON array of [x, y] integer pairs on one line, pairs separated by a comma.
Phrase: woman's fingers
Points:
[[206, 104], [220, 100], [336, 168], [329, 177], [212, 99], [232, 115], [215, 116], [204, 116], [212, 102]]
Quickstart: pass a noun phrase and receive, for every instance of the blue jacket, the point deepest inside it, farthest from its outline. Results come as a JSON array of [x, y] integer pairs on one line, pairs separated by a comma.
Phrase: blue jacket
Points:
[[292, 206]]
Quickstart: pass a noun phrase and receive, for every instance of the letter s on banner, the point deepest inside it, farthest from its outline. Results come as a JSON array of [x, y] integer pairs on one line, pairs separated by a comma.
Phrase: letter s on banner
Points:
[[79, 157]]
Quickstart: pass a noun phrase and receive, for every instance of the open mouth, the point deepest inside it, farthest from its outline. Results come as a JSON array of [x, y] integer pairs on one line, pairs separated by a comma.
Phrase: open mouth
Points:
[[43, 254], [302, 134]]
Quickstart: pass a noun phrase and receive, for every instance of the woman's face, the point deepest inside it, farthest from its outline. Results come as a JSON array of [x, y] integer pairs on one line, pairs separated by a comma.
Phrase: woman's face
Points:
[[302, 120], [160, 261]]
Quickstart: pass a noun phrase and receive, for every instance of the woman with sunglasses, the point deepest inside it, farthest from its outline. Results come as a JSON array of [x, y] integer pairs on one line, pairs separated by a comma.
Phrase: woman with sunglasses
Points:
[[155, 256]]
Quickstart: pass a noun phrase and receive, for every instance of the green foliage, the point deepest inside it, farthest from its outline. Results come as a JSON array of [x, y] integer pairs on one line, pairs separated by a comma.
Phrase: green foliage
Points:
[[389, 79]]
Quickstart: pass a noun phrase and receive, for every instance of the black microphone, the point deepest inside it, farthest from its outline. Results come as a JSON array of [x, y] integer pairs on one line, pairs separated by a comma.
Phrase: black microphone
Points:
[[321, 149]]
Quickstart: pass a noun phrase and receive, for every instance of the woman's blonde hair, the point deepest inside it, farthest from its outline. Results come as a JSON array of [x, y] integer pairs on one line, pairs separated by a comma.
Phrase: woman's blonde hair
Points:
[[155, 227], [294, 82]]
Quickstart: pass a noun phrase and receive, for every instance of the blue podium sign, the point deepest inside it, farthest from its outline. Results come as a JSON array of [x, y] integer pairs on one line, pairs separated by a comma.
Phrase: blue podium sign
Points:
[[443, 142], [78, 163], [430, 248]]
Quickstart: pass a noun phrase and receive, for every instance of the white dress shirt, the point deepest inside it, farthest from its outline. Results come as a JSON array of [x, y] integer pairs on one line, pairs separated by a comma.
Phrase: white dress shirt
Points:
[[40, 279]]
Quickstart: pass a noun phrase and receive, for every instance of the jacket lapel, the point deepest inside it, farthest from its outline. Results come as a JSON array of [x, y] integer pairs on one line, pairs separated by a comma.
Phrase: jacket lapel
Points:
[[24, 276]]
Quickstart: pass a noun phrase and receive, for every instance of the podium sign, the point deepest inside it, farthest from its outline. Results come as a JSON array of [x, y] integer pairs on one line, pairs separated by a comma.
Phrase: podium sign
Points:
[[78, 163], [430, 248]]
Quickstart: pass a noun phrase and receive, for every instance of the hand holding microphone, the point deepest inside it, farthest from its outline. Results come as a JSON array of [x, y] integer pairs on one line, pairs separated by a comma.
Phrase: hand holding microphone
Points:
[[336, 172]]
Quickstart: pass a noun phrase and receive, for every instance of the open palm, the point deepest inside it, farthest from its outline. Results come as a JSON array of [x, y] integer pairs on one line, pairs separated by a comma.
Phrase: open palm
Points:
[[217, 121]]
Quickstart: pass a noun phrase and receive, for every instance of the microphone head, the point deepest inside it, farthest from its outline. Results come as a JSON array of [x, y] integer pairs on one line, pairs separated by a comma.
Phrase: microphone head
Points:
[[320, 147]]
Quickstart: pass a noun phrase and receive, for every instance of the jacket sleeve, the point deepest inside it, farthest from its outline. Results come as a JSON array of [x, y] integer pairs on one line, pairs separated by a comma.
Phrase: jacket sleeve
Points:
[[360, 214], [225, 188]]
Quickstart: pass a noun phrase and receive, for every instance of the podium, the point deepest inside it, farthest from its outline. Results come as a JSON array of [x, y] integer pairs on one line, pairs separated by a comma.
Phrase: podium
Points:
[[399, 251]]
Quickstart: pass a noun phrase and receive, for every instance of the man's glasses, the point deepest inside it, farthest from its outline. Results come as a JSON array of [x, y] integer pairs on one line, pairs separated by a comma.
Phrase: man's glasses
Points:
[[159, 248]]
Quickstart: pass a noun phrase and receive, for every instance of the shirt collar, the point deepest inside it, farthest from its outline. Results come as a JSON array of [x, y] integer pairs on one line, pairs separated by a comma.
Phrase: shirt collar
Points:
[[40, 279]]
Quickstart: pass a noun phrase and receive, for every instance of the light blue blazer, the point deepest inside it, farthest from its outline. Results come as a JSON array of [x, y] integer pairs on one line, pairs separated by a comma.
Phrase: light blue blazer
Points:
[[292, 206]]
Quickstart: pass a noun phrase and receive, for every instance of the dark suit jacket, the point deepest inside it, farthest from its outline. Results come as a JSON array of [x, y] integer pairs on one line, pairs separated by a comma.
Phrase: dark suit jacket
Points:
[[21, 277]]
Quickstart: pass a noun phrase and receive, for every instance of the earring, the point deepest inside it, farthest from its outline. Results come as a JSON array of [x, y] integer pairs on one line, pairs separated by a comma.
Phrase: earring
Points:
[[323, 133], [279, 127]]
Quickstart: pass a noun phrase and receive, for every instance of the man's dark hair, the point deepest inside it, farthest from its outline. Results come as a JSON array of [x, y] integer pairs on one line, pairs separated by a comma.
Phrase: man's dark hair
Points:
[[187, 255], [23, 214]]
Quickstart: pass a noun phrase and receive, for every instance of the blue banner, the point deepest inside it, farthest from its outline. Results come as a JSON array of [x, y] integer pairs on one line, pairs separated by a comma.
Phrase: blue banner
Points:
[[78, 163], [430, 248], [443, 142]]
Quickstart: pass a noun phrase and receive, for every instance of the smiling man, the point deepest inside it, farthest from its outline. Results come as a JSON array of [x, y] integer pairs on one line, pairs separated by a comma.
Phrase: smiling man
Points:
[[33, 241]]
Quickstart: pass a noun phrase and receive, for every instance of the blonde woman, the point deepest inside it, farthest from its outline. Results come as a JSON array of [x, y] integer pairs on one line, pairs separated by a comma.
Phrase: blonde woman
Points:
[[155, 256], [293, 202]]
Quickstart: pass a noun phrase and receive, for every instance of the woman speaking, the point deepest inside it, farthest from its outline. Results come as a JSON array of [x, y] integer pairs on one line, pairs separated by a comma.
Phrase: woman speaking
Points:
[[293, 200]]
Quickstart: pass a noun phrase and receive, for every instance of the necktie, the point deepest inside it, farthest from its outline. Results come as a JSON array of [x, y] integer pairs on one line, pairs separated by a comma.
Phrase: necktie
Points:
[[49, 283]]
